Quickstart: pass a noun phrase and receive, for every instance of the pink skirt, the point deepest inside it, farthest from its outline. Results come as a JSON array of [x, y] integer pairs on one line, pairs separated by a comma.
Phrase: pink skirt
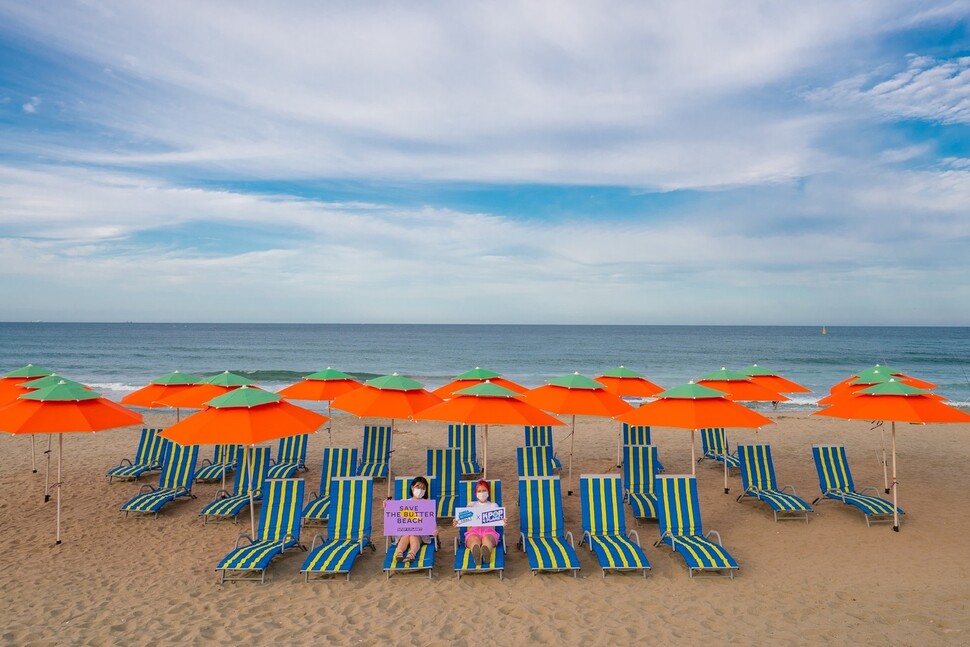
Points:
[[482, 532]]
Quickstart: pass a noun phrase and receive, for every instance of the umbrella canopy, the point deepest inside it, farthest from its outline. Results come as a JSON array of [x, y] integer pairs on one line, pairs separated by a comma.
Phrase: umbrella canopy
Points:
[[487, 404], [739, 387], [161, 387], [389, 396], [576, 394], [693, 406], [9, 382], [59, 409], [894, 402], [622, 381], [322, 385], [771, 380], [477, 376], [195, 396]]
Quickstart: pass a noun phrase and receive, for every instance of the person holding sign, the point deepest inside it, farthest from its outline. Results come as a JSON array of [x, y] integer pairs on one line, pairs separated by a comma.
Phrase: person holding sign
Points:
[[481, 540], [406, 549]]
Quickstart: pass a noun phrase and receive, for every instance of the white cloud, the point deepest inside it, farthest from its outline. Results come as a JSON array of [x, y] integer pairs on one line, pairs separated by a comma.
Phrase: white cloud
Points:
[[31, 106]]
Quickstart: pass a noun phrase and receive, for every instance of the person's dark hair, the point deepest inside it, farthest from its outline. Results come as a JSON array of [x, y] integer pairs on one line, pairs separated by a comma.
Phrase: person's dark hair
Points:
[[419, 480]]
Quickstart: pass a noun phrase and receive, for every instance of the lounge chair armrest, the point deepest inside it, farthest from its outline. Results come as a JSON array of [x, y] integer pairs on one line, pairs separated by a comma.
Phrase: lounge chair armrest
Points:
[[521, 543], [626, 495], [241, 537], [125, 461], [569, 536], [313, 542], [587, 539], [789, 488], [715, 533], [273, 461], [145, 488], [662, 537], [314, 496], [222, 494], [205, 462], [634, 533], [868, 488], [456, 544]]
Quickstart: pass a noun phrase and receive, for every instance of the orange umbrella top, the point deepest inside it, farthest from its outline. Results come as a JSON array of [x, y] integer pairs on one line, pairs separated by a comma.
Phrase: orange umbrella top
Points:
[[322, 385], [64, 408], [693, 406], [245, 416], [388, 396], [622, 381], [170, 384], [194, 396], [771, 380], [739, 387], [488, 403], [578, 395], [894, 401]]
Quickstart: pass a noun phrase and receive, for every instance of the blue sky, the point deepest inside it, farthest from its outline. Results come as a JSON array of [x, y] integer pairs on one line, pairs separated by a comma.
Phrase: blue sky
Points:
[[531, 162]]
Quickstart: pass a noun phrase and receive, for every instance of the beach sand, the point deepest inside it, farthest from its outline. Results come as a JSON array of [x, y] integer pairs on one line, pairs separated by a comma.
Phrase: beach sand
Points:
[[834, 580]]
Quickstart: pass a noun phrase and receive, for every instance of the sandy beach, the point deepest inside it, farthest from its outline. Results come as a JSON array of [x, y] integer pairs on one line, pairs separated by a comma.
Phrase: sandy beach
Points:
[[834, 580]]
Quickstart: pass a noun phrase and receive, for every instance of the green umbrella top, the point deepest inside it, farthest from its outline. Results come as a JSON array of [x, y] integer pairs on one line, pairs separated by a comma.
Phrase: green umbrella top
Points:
[[29, 371], [691, 391], [488, 390], [892, 387], [227, 379], [49, 380], [881, 368], [61, 392], [329, 374], [244, 396], [754, 369], [724, 375], [478, 373], [394, 382], [621, 371], [175, 378], [874, 375], [576, 381]]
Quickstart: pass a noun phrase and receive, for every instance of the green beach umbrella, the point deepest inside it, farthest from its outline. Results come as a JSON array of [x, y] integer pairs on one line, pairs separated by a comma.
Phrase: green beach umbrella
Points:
[[228, 379]]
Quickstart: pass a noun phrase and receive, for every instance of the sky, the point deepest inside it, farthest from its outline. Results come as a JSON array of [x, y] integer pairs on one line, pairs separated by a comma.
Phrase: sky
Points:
[[710, 162]]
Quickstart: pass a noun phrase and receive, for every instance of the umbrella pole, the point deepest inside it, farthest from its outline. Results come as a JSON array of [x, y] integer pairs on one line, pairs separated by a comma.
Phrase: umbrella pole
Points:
[[693, 459], [619, 447], [726, 488], [895, 508], [252, 501], [329, 424], [33, 457], [389, 461], [572, 444], [47, 472], [60, 450], [885, 468], [485, 456]]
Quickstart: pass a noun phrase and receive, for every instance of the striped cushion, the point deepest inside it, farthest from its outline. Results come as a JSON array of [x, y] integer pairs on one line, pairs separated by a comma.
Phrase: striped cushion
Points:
[[644, 505], [701, 553], [336, 556], [422, 561], [617, 552], [871, 505], [780, 501], [154, 500], [550, 554], [255, 556]]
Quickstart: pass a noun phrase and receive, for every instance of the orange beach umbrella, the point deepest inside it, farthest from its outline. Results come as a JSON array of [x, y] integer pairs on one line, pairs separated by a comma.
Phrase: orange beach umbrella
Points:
[[771, 380], [477, 376], [195, 396], [576, 394], [321, 386], [10, 391], [60, 409], [484, 404], [150, 395], [739, 387], [894, 402], [623, 382]]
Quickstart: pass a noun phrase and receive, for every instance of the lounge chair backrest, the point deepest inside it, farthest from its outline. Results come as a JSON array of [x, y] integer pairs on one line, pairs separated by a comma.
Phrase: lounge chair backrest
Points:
[[282, 505], [534, 461], [350, 507], [149, 450], [757, 468], [260, 458], [540, 506], [601, 499], [679, 512], [636, 434], [377, 444], [445, 466], [465, 438], [179, 466], [401, 489], [639, 468], [538, 435], [337, 461], [292, 449], [833, 468], [225, 454], [713, 441]]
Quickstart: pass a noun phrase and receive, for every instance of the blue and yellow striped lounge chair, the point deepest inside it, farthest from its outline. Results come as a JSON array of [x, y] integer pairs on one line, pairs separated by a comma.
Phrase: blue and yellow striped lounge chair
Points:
[[290, 457], [534, 461], [175, 481], [681, 528], [759, 482], [337, 462], [223, 461], [464, 560], [637, 435], [714, 446], [279, 529], [444, 465], [639, 477], [229, 505], [604, 525], [540, 519], [148, 457], [349, 528], [465, 438], [424, 560], [542, 435], [375, 455], [835, 481]]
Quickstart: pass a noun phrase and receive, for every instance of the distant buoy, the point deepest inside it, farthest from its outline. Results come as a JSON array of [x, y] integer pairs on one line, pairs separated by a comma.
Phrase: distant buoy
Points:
[[823, 330]]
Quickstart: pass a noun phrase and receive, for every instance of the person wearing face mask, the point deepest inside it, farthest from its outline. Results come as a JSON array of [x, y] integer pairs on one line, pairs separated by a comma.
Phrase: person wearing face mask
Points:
[[481, 540], [407, 546]]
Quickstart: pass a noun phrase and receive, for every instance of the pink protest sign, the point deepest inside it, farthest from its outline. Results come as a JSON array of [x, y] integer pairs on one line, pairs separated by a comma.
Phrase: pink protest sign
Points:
[[410, 517]]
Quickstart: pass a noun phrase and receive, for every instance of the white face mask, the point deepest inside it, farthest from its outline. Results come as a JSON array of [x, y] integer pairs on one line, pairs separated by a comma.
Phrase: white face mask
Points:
[[482, 496], [418, 492]]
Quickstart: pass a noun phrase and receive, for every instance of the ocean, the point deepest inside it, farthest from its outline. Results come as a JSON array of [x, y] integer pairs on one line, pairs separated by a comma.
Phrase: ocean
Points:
[[116, 358]]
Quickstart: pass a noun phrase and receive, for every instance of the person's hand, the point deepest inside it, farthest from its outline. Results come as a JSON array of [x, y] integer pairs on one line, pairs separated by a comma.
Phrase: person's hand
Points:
[[454, 522]]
